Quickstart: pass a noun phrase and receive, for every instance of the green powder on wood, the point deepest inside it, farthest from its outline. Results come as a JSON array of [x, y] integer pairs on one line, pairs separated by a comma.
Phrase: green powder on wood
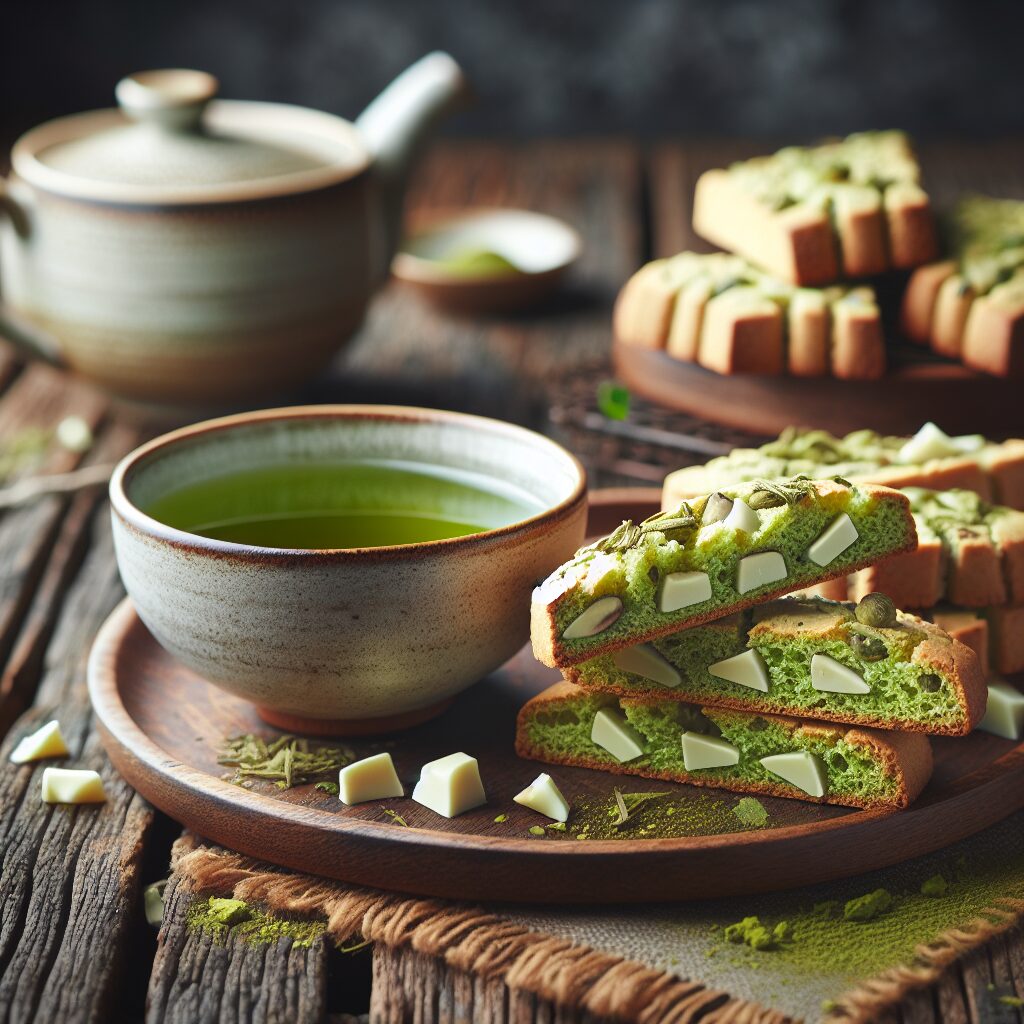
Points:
[[220, 917], [751, 812]]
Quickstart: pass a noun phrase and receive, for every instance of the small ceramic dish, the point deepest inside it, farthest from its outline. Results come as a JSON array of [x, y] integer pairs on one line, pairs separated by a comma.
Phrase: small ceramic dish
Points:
[[355, 640], [460, 261]]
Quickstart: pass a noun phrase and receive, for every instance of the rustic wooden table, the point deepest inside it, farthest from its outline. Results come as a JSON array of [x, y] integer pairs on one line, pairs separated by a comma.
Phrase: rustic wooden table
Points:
[[74, 945]]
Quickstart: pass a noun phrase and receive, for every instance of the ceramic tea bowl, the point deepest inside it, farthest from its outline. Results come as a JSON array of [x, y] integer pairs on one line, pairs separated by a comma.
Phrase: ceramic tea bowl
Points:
[[344, 641]]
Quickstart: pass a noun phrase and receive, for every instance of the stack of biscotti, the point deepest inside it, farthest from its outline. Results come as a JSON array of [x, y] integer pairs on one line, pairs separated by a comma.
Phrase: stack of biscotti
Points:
[[680, 664], [723, 313], [994, 470], [971, 306]]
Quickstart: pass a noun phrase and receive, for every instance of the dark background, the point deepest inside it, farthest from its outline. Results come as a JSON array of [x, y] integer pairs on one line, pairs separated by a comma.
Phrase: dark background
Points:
[[651, 68]]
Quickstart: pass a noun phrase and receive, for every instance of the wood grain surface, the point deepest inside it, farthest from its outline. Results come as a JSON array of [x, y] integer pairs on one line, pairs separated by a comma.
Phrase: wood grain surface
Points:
[[85, 866]]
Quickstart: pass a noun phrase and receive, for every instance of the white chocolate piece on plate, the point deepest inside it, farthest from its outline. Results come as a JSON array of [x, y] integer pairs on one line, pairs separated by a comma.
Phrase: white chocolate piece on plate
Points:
[[613, 733], [72, 786], [757, 570], [644, 660], [799, 768], [742, 517], [834, 540], [1004, 715], [831, 676], [746, 669], [682, 589], [594, 619], [451, 785], [46, 741], [700, 751], [372, 778], [930, 442], [544, 797]]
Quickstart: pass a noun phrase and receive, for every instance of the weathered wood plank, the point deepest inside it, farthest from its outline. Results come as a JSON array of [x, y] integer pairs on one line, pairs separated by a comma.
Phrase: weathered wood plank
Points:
[[197, 980], [68, 876]]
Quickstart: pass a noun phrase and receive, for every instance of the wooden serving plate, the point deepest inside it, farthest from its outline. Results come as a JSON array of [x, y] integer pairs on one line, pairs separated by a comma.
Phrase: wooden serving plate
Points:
[[960, 400], [162, 724]]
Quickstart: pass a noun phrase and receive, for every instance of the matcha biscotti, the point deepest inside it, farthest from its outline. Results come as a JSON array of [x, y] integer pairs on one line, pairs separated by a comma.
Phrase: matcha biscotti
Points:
[[869, 665], [995, 634], [710, 557], [722, 312], [735, 750], [810, 216], [928, 459], [971, 307]]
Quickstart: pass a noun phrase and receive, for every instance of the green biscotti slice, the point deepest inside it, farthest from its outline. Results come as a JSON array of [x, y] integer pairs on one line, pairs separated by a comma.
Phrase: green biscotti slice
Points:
[[930, 458], [711, 557], [834, 764], [782, 658]]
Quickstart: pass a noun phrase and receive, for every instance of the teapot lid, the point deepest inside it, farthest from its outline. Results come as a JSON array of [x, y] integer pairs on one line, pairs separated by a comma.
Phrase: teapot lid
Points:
[[170, 141]]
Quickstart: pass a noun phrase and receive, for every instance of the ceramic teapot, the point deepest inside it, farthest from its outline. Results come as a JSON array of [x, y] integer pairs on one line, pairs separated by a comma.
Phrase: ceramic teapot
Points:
[[191, 251]]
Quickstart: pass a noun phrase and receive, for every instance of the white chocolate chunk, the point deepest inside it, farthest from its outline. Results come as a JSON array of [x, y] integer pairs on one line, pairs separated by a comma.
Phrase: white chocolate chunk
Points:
[[72, 786], [968, 443], [450, 785], [681, 589], [613, 733], [372, 778], [700, 751], [747, 669], [930, 442], [742, 517], [831, 676], [835, 539], [757, 570], [544, 797], [644, 660], [1004, 715], [799, 768], [46, 741], [594, 619]]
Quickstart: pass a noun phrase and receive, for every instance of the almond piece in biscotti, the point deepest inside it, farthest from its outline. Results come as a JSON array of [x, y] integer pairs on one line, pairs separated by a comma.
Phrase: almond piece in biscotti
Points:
[[912, 237], [742, 333], [809, 330], [922, 292], [857, 211], [858, 348], [952, 305]]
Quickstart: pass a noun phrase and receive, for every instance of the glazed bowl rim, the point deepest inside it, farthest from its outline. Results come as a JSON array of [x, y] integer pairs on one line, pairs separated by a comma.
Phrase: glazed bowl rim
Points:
[[133, 517]]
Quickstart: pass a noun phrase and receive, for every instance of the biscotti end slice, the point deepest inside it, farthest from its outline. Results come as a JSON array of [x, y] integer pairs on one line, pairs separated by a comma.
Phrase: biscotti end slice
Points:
[[993, 340], [710, 557], [967, 626], [918, 308], [807, 657], [747, 753]]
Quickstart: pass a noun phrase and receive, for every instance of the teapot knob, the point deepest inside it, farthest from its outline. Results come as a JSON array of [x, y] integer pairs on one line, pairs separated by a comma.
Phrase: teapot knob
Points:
[[173, 98]]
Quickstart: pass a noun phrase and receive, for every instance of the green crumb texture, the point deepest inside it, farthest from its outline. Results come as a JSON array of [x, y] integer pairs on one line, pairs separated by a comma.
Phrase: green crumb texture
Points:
[[500, 819], [751, 812], [827, 909], [751, 932], [934, 886], [327, 787], [536, 830], [869, 906], [221, 917]]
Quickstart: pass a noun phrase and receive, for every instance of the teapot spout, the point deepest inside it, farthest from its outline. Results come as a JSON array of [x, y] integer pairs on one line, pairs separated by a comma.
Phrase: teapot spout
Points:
[[394, 126]]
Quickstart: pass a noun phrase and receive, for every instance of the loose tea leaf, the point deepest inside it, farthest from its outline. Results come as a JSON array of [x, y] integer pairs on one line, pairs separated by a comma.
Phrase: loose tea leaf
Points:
[[613, 400], [394, 816], [286, 761], [327, 787]]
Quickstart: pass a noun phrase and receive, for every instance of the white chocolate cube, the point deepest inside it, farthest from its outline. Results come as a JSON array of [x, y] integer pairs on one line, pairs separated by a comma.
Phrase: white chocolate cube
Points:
[[644, 660], [681, 589], [799, 768], [46, 741], [834, 540], [72, 786], [757, 570], [372, 778], [613, 733], [544, 797], [746, 669], [930, 442], [451, 785], [700, 751], [742, 517], [1004, 715], [831, 676], [594, 619]]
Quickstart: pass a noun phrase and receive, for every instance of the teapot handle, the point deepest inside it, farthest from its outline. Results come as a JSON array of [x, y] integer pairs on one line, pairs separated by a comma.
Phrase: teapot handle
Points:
[[27, 338], [395, 125]]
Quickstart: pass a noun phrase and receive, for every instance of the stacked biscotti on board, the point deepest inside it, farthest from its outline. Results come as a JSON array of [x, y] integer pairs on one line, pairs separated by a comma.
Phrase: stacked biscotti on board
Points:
[[682, 662], [800, 223], [971, 306]]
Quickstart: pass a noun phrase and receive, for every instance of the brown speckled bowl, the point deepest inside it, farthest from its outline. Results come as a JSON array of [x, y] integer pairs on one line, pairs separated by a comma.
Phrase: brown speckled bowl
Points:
[[352, 640]]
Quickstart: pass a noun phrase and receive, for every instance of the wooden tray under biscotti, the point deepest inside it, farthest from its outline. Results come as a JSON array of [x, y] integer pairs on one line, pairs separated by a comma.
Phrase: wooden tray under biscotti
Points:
[[162, 724], [911, 393]]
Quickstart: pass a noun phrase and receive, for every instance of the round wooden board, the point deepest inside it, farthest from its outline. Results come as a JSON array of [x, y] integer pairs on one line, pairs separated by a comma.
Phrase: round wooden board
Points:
[[959, 400], [162, 724]]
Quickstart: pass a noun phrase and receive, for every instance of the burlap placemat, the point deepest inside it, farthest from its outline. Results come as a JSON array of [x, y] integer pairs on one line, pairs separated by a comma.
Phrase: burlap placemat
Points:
[[674, 962]]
